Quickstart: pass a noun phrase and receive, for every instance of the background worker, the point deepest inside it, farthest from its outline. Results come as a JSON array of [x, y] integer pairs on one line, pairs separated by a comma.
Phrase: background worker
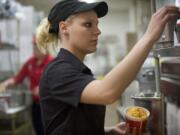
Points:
[[31, 69]]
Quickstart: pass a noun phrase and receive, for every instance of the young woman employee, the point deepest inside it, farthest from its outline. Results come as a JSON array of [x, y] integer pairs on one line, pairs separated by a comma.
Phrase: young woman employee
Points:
[[72, 100]]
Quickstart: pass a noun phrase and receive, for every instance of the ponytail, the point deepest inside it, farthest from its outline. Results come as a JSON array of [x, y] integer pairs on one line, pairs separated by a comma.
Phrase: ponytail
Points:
[[45, 39]]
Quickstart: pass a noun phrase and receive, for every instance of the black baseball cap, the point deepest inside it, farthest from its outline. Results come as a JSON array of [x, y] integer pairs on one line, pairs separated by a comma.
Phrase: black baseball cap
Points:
[[63, 9]]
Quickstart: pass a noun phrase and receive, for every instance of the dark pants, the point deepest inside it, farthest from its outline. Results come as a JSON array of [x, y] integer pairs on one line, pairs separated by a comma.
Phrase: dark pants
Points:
[[36, 119]]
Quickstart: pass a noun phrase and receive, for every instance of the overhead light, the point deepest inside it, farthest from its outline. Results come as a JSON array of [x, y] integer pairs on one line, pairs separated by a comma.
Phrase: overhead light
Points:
[[88, 1]]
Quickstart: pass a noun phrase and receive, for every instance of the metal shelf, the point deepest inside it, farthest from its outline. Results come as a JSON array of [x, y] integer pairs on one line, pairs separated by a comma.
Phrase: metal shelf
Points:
[[8, 47], [167, 52]]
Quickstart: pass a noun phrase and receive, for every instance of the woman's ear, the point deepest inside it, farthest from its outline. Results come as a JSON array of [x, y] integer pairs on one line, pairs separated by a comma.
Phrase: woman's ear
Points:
[[63, 27]]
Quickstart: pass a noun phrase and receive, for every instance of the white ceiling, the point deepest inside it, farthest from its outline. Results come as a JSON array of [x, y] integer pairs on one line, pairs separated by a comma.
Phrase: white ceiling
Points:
[[45, 5]]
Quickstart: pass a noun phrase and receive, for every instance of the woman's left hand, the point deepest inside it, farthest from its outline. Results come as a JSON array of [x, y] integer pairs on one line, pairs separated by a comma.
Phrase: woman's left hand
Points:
[[120, 129]]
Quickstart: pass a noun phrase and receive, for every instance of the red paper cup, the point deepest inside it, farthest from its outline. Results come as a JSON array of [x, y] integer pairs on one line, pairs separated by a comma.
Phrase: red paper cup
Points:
[[136, 123]]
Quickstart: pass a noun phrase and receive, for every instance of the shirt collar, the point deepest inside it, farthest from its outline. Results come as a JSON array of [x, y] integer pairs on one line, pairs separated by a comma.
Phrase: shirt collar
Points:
[[69, 57]]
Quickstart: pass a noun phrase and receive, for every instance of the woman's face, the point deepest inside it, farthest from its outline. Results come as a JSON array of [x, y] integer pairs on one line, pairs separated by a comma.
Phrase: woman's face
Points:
[[83, 32]]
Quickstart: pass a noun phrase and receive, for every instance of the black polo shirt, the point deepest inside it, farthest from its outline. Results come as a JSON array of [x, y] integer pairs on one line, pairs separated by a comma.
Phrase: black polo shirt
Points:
[[61, 85]]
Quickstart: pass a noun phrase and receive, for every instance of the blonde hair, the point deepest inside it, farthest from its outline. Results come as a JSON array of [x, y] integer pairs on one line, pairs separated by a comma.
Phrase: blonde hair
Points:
[[45, 40]]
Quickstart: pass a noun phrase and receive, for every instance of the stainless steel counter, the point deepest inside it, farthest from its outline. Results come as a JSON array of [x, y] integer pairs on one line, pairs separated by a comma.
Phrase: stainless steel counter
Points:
[[16, 121], [167, 52]]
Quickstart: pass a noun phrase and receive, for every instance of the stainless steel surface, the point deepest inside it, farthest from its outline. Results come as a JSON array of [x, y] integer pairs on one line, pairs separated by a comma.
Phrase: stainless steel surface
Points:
[[167, 52], [168, 34], [17, 97], [20, 98], [167, 39], [177, 30], [153, 6], [160, 3], [16, 121], [157, 78], [15, 109], [152, 102], [171, 66], [170, 77], [167, 47], [5, 96], [157, 74], [7, 8], [172, 81], [170, 87], [146, 76], [163, 115], [146, 97], [4, 101]]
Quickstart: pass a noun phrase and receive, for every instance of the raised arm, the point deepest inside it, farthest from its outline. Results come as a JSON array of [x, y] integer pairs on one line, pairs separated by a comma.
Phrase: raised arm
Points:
[[109, 89]]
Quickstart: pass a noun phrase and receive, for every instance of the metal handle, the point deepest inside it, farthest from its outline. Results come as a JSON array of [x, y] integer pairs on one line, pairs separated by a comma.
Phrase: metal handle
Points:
[[146, 98]]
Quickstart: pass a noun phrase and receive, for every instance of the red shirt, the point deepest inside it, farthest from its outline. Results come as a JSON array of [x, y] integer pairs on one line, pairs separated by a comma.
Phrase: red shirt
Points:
[[33, 71]]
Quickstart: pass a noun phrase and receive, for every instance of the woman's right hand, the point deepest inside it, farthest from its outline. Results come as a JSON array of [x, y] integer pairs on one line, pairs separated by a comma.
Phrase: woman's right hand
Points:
[[159, 20]]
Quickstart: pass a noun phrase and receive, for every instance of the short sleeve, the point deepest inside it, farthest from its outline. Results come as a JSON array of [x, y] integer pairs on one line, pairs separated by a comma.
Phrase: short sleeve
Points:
[[66, 83]]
